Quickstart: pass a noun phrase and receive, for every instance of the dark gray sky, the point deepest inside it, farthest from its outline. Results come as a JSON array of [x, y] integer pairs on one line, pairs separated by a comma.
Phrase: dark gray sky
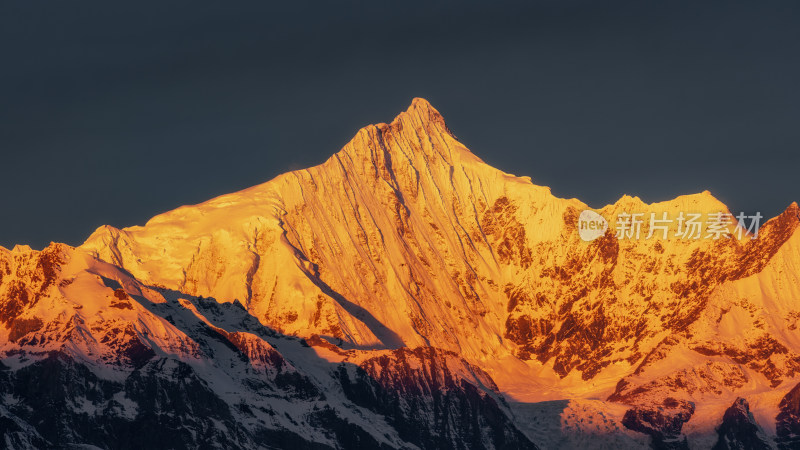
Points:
[[112, 113]]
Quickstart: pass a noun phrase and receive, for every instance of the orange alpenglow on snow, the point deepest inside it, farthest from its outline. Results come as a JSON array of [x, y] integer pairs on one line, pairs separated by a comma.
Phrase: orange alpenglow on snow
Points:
[[407, 264]]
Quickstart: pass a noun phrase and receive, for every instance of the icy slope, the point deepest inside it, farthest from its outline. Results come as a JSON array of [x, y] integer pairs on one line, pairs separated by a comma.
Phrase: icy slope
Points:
[[405, 239], [386, 244]]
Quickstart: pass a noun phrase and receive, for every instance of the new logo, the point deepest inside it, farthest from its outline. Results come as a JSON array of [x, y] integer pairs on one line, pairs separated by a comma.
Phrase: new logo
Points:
[[591, 225]]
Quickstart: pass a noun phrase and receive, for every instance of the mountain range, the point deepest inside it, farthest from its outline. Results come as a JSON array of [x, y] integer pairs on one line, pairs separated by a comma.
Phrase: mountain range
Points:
[[403, 294]]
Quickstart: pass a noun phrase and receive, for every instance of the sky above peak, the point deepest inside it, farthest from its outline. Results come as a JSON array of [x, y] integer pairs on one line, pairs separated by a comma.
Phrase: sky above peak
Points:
[[113, 113]]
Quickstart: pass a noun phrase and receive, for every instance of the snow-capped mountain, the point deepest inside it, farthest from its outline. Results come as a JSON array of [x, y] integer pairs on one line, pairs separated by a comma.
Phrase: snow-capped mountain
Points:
[[404, 294]]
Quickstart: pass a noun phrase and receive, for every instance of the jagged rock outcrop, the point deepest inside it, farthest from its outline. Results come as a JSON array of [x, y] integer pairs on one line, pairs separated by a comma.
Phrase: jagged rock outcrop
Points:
[[662, 422], [739, 429], [454, 403], [787, 422]]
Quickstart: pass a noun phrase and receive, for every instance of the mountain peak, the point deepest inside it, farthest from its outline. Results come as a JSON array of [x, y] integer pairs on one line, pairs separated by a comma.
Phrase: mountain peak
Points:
[[421, 113], [415, 137], [419, 104]]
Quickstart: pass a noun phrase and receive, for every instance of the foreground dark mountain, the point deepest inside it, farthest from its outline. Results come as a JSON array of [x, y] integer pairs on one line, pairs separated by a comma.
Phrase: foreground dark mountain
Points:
[[402, 295]]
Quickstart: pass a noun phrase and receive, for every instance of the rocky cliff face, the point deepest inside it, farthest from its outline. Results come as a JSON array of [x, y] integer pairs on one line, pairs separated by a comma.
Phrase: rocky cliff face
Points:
[[402, 293], [788, 420], [739, 429]]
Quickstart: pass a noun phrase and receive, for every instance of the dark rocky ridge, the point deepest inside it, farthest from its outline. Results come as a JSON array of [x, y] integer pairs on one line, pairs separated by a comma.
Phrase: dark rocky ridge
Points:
[[739, 429]]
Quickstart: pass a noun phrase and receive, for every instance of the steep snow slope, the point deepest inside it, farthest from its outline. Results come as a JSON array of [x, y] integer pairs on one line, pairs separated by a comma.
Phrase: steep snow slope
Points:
[[405, 239], [381, 246]]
